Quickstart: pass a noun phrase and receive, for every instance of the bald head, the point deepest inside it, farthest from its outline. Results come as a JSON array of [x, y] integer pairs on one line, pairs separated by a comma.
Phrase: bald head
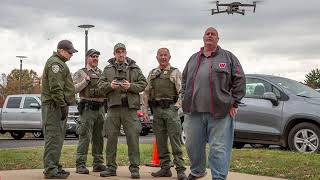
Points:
[[211, 29], [211, 38], [163, 57]]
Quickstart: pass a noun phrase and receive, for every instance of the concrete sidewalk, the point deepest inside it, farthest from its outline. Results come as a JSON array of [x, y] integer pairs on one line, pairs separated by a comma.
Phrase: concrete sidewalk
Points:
[[122, 172]]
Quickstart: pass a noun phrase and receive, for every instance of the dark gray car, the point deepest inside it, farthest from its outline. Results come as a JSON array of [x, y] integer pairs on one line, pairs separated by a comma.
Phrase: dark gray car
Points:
[[278, 111]]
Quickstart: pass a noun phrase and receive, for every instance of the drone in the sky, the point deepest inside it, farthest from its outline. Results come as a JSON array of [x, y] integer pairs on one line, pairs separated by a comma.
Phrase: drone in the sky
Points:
[[233, 7]]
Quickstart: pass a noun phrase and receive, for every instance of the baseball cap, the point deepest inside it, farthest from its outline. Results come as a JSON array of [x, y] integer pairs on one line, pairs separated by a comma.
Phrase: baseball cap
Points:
[[91, 52], [119, 45], [66, 45]]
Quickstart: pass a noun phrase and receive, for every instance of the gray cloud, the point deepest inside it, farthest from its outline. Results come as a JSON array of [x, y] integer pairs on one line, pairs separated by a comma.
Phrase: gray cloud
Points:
[[286, 28]]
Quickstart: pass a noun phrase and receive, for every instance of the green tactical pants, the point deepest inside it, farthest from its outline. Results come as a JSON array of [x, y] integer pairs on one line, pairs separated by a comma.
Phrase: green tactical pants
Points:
[[116, 116], [54, 131], [166, 123], [89, 130]]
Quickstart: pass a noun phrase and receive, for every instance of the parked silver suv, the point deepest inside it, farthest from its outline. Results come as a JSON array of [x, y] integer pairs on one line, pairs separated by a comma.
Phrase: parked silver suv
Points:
[[21, 113], [278, 111]]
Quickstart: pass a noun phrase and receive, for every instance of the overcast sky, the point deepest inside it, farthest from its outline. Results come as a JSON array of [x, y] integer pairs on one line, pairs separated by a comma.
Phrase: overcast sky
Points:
[[280, 38]]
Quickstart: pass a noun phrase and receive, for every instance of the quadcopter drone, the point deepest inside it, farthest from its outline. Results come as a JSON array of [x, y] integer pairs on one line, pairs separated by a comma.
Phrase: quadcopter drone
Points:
[[231, 8]]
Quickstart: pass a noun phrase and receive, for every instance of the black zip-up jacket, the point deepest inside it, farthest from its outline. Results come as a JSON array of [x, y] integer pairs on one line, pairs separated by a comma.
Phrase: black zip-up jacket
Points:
[[226, 78]]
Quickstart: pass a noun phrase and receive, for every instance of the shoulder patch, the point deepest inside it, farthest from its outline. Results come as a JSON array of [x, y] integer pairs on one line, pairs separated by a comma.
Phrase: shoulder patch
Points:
[[55, 68]]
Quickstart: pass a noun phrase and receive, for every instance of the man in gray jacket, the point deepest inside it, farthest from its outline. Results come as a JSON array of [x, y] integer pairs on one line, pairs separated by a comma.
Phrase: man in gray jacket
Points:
[[213, 84]]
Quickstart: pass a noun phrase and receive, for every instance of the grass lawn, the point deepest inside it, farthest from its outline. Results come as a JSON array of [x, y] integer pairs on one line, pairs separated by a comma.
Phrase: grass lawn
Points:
[[276, 163]]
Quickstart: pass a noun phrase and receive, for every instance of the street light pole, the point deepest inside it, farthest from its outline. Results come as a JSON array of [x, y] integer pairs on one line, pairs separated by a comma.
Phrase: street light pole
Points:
[[20, 73], [86, 28], [86, 40]]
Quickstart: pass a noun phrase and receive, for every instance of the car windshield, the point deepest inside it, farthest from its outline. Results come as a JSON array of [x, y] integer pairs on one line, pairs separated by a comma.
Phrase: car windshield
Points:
[[296, 88]]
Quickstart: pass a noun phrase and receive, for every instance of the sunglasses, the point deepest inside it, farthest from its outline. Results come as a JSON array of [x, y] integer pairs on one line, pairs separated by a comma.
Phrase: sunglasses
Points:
[[94, 56], [68, 52]]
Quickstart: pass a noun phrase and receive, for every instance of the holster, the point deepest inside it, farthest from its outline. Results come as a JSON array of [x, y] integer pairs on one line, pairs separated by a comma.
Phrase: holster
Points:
[[81, 106]]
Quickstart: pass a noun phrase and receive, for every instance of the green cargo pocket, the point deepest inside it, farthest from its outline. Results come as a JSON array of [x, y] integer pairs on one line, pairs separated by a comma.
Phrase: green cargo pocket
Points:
[[174, 125], [106, 125], [137, 125], [81, 128]]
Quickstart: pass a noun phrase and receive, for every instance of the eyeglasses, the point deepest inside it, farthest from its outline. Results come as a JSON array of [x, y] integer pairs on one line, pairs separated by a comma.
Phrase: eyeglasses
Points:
[[94, 56]]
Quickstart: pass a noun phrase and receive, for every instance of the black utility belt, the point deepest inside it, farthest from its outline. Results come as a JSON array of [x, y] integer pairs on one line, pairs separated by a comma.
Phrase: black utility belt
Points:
[[163, 103], [93, 105]]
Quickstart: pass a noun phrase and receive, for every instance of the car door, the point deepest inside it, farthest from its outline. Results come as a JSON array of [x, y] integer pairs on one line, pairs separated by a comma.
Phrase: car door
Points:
[[257, 118], [31, 116], [11, 113]]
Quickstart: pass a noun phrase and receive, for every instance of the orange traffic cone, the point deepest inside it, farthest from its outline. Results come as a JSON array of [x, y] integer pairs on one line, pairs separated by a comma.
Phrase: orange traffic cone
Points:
[[155, 162]]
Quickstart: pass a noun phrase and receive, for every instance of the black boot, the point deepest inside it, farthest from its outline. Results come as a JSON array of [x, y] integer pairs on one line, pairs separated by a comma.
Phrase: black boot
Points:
[[181, 176], [99, 168], [58, 175], [135, 175], [162, 173], [82, 170], [108, 172], [64, 172]]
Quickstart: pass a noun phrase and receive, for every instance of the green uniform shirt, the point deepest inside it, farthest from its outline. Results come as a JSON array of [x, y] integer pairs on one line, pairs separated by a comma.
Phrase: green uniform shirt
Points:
[[57, 85]]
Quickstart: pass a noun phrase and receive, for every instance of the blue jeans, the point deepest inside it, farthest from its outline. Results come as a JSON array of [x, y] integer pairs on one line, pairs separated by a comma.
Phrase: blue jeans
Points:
[[201, 128]]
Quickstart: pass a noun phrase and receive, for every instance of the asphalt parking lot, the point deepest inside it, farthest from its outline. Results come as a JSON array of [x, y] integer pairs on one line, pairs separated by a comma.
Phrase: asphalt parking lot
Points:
[[8, 142]]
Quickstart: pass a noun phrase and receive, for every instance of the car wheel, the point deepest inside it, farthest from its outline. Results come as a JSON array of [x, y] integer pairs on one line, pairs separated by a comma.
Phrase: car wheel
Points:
[[238, 145], [304, 137], [17, 135], [37, 134], [183, 137]]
